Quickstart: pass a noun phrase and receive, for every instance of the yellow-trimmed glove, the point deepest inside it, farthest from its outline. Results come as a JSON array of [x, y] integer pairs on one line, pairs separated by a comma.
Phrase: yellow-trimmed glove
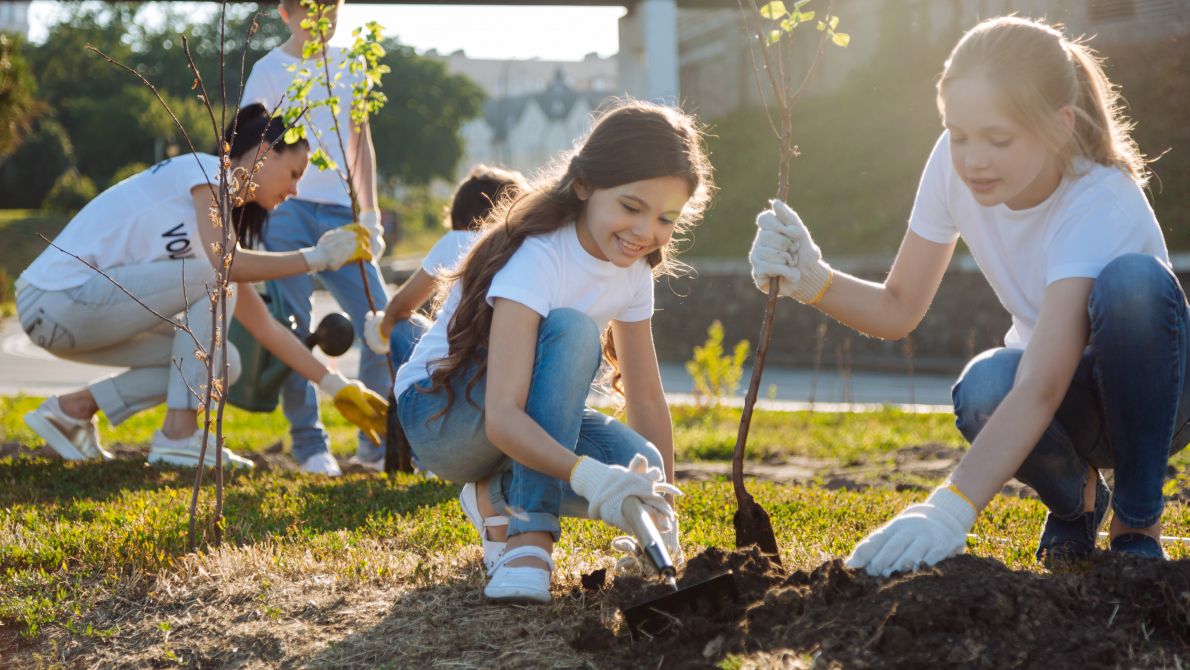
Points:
[[923, 534], [363, 243], [337, 248], [374, 333], [357, 404], [370, 220]]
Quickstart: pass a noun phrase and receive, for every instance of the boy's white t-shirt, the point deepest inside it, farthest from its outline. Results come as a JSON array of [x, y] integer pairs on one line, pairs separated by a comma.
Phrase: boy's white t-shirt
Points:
[[147, 217], [1087, 222], [270, 79], [548, 272], [448, 251]]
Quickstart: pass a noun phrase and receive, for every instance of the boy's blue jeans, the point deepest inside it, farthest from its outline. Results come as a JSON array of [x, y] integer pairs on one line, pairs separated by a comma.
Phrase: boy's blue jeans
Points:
[[455, 446], [1127, 407], [293, 225]]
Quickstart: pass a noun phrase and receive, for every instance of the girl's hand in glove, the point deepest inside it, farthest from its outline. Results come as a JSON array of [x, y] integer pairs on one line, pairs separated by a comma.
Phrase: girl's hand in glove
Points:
[[783, 249], [923, 534], [373, 335], [357, 404], [338, 247], [633, 561], [606, 486]]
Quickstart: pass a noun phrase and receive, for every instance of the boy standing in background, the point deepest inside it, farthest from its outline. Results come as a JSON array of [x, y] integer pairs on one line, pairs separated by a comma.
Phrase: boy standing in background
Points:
[[323, 203]]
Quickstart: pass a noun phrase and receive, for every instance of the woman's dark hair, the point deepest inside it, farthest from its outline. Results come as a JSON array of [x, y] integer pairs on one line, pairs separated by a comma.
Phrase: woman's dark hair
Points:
[[479, 192], [251, 126], [631, 141]]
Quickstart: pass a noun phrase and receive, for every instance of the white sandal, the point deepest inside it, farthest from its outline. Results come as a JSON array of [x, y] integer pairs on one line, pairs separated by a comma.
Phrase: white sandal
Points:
[[520, 584], [492, 549]]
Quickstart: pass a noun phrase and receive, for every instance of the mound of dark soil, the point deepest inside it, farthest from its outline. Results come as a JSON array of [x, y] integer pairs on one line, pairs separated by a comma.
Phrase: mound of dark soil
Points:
[[967, 612]]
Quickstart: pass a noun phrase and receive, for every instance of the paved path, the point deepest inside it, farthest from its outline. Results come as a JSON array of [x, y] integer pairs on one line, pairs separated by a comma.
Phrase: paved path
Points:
[[24, 368]]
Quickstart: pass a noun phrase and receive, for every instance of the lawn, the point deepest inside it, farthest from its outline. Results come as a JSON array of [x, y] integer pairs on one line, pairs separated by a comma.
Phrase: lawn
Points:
[[376, 571]]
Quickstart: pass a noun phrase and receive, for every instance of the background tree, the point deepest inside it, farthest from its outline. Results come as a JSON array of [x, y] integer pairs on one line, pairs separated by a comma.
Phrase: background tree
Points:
[[17, 104], [417, 134]]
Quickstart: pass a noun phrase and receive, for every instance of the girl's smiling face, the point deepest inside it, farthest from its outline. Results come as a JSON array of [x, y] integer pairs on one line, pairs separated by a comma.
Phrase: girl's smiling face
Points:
[[1001, 161], [625, 223]]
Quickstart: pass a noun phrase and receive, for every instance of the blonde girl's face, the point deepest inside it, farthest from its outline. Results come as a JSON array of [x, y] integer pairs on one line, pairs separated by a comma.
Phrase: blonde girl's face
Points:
[[626, 223], [999, 160], [279, 175]]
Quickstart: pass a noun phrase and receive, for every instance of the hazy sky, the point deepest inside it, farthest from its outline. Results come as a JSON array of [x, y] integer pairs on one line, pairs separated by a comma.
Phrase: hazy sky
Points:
[[549, 33]]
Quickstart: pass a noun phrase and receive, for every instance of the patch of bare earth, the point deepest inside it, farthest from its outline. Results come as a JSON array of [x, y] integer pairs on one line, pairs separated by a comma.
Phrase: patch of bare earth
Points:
[[267, 607]]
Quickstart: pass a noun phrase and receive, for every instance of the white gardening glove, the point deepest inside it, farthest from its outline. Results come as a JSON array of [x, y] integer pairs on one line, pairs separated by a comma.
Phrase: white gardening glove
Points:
[[373, 337], [923, 534], [606, 486], [633, 562], [338, 247], [783, 249], [370, 220]]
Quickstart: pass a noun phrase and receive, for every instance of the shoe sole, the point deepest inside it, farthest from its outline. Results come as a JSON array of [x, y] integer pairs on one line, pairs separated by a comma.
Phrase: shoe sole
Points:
[[516, 597], [186, 460], [53, 437]]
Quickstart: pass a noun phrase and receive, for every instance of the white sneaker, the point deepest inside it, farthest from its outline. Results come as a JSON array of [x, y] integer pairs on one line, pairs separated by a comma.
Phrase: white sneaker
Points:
[[377, 465], [73, 439], [322, 463], [521, 584], [492, 549], [185, 452]]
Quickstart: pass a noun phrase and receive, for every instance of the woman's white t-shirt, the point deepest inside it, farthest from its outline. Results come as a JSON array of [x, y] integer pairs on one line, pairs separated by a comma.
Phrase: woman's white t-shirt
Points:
[[1090, 219], [448, 251], [147, 217], [548, 272]]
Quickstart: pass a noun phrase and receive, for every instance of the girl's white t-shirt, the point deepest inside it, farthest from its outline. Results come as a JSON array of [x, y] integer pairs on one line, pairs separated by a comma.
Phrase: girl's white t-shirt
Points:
[[448, 251], [548, 272], [1091, 219], [145, 218]]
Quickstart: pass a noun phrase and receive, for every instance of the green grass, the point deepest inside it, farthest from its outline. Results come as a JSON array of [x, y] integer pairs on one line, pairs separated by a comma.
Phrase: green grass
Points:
[[73, 534]]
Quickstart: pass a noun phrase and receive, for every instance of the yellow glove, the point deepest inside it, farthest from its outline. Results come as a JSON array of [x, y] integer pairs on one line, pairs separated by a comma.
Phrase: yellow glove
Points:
[[363, 243], [362, 407]]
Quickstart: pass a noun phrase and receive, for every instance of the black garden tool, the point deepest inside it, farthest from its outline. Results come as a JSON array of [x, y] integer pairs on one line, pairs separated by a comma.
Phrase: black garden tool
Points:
[[661, 615], [751, 521]]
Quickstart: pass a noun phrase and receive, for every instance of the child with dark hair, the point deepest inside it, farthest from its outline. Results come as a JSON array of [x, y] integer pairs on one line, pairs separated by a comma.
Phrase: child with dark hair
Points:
[[397, 329], [323, 203], [143, 232], [561, 280]]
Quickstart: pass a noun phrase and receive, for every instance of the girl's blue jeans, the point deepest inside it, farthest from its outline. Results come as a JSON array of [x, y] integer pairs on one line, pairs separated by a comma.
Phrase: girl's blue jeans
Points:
[[1127, 408], [456, 448]]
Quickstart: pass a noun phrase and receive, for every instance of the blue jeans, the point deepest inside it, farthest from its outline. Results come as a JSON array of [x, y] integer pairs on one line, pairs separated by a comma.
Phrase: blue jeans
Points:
[[456, 448], [294, 225], [1127, 407], [405, 336]]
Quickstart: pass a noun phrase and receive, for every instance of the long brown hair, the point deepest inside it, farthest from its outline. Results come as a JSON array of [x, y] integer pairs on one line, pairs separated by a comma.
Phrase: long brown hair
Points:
[[632, 141], [1038, 71]]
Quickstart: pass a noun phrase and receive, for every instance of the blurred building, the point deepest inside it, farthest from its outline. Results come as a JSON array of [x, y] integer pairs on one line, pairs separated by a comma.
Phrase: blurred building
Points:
[[716, 73], [14, 17], [535, 109]]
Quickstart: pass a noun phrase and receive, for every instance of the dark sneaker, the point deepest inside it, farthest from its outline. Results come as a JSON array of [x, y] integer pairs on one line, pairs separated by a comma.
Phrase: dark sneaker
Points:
[[1136, 544], [1065, 541]]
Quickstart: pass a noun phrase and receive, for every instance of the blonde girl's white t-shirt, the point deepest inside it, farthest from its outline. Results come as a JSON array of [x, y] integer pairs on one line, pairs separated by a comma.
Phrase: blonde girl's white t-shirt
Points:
[[448, 251], [1091, 219], [267, 84], [145, 218], [548, 272]]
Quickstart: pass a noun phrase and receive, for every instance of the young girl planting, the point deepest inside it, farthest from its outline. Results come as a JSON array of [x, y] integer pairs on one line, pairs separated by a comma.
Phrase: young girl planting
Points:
[[1037, 173], [152, 233], [494, 394]]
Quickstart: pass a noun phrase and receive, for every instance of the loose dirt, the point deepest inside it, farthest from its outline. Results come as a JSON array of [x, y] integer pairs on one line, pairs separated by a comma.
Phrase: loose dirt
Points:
[[965, 613]]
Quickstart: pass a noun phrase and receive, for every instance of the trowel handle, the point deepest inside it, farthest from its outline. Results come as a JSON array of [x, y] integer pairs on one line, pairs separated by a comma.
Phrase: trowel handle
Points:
[[647, 535]]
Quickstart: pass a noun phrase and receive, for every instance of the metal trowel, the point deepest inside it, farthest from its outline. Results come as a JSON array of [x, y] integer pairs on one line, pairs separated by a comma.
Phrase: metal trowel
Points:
[[663, 614]]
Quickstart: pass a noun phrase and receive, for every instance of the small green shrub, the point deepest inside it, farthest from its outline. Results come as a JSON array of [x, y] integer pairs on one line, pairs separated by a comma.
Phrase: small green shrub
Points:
[[70, 192], [716, 375]]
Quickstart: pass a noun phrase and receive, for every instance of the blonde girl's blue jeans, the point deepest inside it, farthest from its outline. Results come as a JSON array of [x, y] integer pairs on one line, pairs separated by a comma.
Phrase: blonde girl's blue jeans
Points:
[[1128, 406], [455, 446]]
